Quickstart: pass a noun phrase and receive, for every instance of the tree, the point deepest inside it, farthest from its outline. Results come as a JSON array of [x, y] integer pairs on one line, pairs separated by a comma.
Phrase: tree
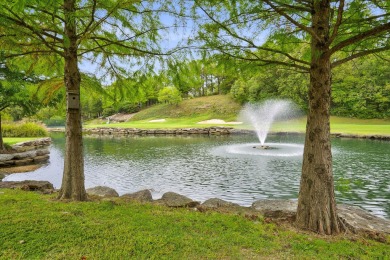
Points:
[[170, 95], [310, 36], [50, 34], [14, 92]]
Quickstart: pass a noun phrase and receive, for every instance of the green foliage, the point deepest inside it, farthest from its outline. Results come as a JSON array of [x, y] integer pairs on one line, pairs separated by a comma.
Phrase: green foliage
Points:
[[108, 111], [14, 92], [55, 121], [170, 95], [268, 83], [202, 108], [362, 89], [124, 230], [24, 130], [128, 108]]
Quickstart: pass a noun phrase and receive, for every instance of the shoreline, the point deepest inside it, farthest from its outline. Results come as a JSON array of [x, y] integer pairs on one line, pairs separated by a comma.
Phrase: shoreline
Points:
[[214, 130]]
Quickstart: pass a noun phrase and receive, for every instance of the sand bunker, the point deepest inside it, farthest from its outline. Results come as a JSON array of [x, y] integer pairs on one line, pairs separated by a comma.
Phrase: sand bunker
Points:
[[219, 122], [157, 121]]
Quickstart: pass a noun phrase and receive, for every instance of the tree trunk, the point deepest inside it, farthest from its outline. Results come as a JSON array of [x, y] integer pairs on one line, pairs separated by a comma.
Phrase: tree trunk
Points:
[[73, 177], [316, 204], [2, 147]]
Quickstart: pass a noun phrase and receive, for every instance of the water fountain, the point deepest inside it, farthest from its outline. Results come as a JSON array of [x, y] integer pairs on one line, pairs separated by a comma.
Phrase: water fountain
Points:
[[261, 116]]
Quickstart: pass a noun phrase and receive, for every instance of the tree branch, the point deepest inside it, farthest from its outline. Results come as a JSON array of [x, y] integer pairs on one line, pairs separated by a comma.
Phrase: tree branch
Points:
[[27, 53], [250, 43], [338, 22], [359, 54], [373, 32], [289, 18], [266, 61]]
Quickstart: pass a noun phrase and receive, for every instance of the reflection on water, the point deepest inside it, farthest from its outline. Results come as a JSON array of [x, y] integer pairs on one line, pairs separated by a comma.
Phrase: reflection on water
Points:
[[225, 167]]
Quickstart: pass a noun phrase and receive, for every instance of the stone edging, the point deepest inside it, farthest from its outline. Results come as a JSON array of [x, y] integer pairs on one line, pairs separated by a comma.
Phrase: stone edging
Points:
[[180, 131], [27, 153], [355, 218], [217, 130]]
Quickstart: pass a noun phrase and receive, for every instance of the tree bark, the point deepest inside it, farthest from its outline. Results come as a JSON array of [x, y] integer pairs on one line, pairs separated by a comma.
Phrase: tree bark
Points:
[[2, 147], [73, 177], [317, 209]]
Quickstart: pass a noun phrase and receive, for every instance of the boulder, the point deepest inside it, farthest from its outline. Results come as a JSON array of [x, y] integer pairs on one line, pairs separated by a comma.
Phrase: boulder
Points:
[[24, 162], [172, 199], [354, 218], [360, 220], [218, 203], [27, 185], [102, 191], [141, 196], [41, 158], [6, 157], [276, 208]]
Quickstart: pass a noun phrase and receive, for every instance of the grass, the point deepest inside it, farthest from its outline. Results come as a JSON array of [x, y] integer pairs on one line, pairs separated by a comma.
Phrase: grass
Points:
[[15, 140], [221, 106], [188, 113], [340, 125], [27, 129], [35, 226]]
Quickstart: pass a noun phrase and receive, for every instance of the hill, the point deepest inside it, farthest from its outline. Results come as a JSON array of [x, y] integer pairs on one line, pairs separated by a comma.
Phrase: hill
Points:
[[202, 108]]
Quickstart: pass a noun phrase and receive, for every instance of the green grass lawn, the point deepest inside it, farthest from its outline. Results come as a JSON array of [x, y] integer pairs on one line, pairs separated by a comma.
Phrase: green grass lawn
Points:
[[35, 226], [15, 140], [341, 125], [338, 125], [192, 111]]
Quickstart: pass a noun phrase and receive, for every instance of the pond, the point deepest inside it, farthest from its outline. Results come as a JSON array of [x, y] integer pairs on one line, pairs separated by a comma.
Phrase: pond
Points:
[[227, 167]]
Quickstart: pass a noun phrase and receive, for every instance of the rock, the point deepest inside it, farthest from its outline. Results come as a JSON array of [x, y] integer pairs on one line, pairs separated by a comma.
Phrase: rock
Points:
[[172, 199], [41, 158], [2, 176], [280, 209], [24, 162], [18, 169], [141, 196], [32, 145], [354, 218], [27, 185], [218, 203], [6, 157], [102, 191], [41, 152], [362, 221]]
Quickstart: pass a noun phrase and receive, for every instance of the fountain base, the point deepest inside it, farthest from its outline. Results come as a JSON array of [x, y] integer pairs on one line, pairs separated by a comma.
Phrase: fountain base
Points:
[[263, 147]]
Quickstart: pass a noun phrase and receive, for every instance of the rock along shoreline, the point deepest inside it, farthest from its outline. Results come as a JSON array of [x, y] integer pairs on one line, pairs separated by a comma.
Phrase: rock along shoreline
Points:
[[354, 218], [216, 130], [27, 153]]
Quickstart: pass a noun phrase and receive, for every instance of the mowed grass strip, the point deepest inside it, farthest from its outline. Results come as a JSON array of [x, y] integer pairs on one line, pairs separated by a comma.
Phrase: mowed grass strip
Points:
[[192, 111], [35, 226], [15, 140]]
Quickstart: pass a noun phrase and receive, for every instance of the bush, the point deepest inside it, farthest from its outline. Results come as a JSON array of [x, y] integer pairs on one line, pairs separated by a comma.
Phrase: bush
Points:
[[108, 111], [55, 121], [24, 130], [170, 95], [128, 108]]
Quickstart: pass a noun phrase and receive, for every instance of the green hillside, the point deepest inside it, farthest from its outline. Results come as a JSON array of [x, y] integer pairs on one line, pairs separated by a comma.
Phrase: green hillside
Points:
[[192, 111], [219, 106]]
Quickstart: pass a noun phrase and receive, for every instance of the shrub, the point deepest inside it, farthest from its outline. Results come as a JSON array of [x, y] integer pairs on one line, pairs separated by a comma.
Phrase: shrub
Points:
[[170, 95], [24, 130], [108, 111], [128, 108], [55, 121]]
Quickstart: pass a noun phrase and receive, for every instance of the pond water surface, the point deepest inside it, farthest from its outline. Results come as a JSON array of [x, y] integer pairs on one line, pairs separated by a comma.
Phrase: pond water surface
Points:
[[227, 167]]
